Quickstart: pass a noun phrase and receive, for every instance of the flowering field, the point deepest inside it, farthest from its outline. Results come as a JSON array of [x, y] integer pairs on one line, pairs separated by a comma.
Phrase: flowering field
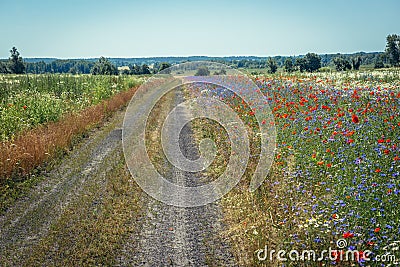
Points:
[[344, 136], [336, 170], [30, 100]]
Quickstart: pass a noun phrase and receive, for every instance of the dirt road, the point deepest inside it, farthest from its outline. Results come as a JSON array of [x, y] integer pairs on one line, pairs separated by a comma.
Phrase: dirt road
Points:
[[88, 211]]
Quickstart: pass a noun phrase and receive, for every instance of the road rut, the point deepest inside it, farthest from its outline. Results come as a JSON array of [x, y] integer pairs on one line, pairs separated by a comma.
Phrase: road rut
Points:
[[178, 236], [164, 236]]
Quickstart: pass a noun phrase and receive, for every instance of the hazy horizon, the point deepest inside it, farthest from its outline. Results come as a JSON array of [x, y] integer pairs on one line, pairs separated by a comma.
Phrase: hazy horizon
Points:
[[129, 29], [184, 56]]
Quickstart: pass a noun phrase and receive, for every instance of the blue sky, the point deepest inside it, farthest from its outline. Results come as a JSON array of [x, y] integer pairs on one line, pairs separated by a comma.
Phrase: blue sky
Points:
[[90, 28]]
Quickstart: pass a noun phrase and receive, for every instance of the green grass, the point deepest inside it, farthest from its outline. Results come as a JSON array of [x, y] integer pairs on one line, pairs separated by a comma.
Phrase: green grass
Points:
[[30, 100]]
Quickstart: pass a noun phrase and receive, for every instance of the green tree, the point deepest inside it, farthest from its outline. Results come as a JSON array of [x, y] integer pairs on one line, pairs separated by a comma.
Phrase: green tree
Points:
[[15, 62], [393, 49], [301, 63], [379, 63], [135, 70], [356, 62], [289, 66], [104, 67], [202, 71], [241, 63], [145, 69], [273, 67], [220, 72], [73, 70], [313, 62], [163, 66], [3, 68], [341, 63]]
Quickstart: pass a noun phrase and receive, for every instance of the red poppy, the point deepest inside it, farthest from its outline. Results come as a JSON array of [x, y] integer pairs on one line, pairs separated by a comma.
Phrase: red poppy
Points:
[[326, 107], [337, 255], [24, 107], [360, 256], [376, 230], [354, 118], [348, 235]]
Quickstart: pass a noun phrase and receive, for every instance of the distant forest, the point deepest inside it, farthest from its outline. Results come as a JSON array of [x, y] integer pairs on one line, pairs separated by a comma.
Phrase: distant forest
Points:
[[84, 66]]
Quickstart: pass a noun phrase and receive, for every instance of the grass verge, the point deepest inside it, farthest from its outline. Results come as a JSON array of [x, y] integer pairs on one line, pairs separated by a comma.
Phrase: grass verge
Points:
[[21, 159]]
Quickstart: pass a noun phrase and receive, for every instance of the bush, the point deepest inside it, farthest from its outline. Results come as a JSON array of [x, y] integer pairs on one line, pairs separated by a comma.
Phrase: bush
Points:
[[202, 71]]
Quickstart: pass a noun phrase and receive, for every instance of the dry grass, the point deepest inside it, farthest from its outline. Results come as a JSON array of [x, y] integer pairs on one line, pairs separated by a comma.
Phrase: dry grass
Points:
[[32, 148], [256, 220], [153, 133], [252, 219], [93, 228]]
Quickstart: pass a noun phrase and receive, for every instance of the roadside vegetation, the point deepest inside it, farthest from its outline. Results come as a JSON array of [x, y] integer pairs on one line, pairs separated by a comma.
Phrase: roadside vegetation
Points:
[[336, 168], [42, 116]]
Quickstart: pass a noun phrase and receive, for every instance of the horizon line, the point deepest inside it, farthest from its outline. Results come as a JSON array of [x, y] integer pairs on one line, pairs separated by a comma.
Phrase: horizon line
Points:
[[187, 56]]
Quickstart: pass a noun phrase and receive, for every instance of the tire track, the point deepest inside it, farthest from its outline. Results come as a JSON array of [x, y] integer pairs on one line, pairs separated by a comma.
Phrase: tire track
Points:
[[165, 235], [175, 236], [28, 221]]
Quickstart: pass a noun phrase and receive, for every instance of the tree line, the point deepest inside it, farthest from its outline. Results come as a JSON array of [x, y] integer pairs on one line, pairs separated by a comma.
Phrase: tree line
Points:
[[391, 56], [103, 66], [310, 62]]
